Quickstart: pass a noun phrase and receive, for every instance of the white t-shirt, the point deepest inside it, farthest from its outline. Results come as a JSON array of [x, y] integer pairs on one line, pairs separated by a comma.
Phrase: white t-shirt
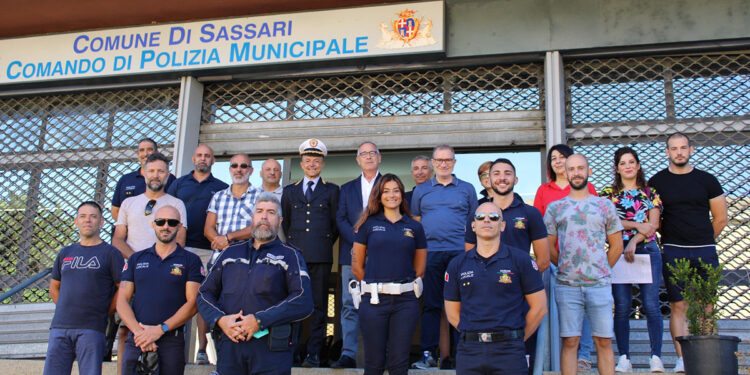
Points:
[[133, 214]]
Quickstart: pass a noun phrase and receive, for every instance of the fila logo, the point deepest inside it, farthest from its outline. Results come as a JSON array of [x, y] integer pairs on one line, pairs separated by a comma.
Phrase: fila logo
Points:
[[81, 264]]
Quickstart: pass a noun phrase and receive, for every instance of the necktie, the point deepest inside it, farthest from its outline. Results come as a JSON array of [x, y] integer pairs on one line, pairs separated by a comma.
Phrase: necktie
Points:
[[308, 193]]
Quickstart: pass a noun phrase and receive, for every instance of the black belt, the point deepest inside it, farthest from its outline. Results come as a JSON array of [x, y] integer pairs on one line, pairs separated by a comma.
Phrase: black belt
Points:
[[175, 332], [506, 335]]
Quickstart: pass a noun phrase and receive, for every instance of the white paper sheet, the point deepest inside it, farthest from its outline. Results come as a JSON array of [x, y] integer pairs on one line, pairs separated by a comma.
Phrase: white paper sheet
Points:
[[638, 272]]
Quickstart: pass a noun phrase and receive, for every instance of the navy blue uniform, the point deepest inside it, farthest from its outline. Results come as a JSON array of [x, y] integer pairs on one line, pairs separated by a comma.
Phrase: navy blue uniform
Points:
[[389, 325], [273, 284], [196, 196], [132, 184], [492, 293], [159, 291], [311, 227], [523, 225]]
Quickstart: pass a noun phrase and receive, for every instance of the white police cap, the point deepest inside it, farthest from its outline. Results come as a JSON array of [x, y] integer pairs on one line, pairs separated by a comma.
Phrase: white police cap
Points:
[[313, 147]]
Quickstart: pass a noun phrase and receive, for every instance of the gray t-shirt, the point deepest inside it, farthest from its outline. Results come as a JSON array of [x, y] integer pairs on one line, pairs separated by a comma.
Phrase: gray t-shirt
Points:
[[133, 214], [582, 227]]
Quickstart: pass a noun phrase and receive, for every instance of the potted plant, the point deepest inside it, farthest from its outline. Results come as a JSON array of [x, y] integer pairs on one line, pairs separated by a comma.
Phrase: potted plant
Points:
[[704, 352]]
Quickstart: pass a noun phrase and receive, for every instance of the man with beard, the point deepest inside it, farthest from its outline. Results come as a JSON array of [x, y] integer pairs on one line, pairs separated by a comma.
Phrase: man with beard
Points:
[[163, 283], [524, 226], [584, 223], [196, 189], [230, 212], [421, 172], [134, 183], [133, 230], [309, 210], [687, 230], [253, 294]]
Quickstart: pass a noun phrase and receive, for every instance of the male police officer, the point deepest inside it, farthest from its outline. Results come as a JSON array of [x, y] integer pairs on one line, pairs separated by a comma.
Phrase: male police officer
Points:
[[253, 294], [484, 293], [163, 282], [309, 211]]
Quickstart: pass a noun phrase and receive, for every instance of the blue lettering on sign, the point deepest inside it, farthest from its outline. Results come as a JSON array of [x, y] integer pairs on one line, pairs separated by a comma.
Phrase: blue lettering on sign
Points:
[[175, 59], [51, 69], [212, 33], [84, 43], [275, 51]]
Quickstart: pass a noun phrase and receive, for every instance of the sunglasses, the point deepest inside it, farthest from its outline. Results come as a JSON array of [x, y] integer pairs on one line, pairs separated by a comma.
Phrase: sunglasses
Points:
[[149, 207], [481, 216], [171, 222], [243, 165]]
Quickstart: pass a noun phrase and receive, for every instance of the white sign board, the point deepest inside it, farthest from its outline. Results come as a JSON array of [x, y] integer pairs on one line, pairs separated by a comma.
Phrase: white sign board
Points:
[[638, 272], [399, 29]]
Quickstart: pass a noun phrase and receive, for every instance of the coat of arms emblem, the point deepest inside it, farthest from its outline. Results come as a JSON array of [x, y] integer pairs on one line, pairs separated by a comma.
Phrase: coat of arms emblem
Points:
[[406, 31]]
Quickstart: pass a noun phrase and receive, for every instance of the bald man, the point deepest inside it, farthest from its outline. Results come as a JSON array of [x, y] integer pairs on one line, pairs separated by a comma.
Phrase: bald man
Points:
[[582, 224], [270, 173]]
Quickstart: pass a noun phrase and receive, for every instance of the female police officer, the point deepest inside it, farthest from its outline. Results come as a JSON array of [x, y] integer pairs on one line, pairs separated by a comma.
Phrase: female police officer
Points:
[[396, 251]]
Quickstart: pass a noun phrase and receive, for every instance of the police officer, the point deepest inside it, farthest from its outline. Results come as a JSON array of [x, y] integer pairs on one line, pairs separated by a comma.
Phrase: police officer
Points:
[[395, 249], [309, 210], [484, 292], [163, 282], [253, 293]]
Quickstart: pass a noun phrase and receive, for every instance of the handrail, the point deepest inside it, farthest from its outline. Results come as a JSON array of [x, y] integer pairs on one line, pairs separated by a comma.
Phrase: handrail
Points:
[[24, 284]]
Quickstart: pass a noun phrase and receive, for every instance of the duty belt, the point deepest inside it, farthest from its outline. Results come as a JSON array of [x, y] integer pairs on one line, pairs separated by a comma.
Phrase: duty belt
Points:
[[493, 336]]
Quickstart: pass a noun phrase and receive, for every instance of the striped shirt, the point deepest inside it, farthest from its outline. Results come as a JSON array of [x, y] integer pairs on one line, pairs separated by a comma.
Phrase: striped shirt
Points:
[[233, 214]]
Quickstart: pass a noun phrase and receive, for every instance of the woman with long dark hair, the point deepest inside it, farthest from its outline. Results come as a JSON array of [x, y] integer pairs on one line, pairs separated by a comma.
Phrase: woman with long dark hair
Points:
[[639, 209], [388, 258]]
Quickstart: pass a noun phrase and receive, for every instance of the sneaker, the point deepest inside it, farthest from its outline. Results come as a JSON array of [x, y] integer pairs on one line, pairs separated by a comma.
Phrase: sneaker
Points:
[[201, 358], [584, 365], [679, 366], [623, 364], [426, 362], [655, 364]]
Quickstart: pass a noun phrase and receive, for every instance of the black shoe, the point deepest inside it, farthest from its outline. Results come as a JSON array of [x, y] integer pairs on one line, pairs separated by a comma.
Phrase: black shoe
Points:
[[447, 364], [311, 361], [344, 362]]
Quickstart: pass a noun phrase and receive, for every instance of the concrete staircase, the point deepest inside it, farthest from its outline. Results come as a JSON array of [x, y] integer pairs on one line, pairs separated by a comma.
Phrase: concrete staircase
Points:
[[24, 330]]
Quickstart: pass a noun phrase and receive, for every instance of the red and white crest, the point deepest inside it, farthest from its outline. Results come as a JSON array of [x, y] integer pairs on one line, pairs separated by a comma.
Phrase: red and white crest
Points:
[[406, 26]]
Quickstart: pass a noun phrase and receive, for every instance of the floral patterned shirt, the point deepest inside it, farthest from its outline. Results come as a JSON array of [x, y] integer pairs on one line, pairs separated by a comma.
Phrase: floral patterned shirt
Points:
[[582, 227], [633, 205]]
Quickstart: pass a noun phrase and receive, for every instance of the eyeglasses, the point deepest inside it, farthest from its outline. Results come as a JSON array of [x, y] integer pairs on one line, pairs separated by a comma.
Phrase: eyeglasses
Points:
[[441, 161], [481, 216], [171, 222], [484, 175], [243, 165], [149, 207], [370, 153]]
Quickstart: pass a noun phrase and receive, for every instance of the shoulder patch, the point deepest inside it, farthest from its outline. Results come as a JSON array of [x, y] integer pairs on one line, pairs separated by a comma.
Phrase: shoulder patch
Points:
[[533, 264]]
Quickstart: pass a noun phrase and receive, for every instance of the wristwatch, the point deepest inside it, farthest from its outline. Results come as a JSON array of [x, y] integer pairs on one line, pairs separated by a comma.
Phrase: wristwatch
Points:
[[164, 327]]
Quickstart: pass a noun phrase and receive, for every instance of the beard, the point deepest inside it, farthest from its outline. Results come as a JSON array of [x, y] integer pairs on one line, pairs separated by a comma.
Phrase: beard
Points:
[[682, 164], [155, 185], [166, 237], [240, 180], [264, 232], [203, 168], [498, 192], [580, 186]]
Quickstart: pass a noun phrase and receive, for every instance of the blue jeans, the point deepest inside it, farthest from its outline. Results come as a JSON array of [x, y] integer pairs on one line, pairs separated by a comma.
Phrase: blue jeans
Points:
[[349, 315], [586, 344], [432, 298], [388, 329], [575, 302], [65, 345], [623, 294]]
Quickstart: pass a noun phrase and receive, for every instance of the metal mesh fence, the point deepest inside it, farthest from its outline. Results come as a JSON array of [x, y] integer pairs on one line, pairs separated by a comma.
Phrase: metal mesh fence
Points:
[[638, 101], [58, 151], [480, 89]]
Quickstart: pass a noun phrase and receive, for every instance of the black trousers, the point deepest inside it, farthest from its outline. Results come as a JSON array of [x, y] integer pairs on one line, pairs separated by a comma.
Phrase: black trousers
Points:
[[319, 276]]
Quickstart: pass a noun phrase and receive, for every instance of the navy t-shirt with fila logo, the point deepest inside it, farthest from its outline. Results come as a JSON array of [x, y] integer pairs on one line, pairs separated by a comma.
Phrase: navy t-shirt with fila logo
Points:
[[88, 276]]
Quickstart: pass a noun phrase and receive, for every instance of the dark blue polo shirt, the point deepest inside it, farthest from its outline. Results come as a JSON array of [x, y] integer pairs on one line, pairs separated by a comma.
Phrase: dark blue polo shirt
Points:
[[88, 276], [492, 290], [132, 184], [390, 248], [160, 283], [523, 224], [196, 196], [444, 210]]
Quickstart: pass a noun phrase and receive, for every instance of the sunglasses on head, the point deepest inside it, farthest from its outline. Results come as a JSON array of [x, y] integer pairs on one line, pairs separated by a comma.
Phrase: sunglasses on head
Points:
[[481, 216], [171, 222], [149, 207], [243, 165]]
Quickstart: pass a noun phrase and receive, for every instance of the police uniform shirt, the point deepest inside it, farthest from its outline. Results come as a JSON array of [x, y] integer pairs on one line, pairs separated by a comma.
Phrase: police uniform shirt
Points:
[[132, 184], [88, 276], [523, 225], [390, 248], [492, 290], [196, 196], [272, 283], [160, 283]]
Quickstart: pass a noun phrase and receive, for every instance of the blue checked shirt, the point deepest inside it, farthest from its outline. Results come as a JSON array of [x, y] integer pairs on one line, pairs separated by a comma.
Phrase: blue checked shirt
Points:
[[233, 214]]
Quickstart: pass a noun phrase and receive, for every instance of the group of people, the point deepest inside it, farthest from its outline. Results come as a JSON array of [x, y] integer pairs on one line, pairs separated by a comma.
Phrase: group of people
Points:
[[256, 262]]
